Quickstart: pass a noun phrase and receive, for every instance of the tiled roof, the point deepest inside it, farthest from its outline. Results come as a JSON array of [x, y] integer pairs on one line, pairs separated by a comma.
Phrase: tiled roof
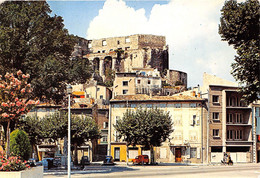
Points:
[[140, 97]]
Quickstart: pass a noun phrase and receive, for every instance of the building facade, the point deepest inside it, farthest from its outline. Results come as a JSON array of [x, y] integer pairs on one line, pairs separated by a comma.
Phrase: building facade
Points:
[[187, 143], [230, 125]]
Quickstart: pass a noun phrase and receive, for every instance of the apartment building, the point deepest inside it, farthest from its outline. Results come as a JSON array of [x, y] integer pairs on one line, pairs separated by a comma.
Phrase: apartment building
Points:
[[256, 131], [186, 144], [230, 125]]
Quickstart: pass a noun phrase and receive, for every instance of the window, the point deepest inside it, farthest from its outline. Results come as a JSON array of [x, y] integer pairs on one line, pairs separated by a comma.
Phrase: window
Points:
[[229, 134], [162, 105], [239, 118], [149, 105], [238, 134], [101, 96], [125, 92], [149, 82], [127, 40], [98, 89], [193, 152], [127, 48], [138, 81], [215, 99], [229, 118], [104, 138], [118, 42], [104, 51], [104, 43], [125, 83], [193, 120], [133, 105], [105, 125], [215, 116], [89, 45], [192, 105], [98, 51], [178, 105], [215, 132]]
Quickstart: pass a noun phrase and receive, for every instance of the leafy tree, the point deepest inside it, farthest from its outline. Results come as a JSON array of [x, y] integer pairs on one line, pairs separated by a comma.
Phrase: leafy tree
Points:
[[147, 127], [36, 43], [83, 128], [15, 99], [239, 26], [32, 126], [54, 126], [20, 144]]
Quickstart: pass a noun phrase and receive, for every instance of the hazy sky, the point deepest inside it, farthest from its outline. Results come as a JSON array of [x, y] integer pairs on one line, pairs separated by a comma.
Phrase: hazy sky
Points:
[[190, 27]]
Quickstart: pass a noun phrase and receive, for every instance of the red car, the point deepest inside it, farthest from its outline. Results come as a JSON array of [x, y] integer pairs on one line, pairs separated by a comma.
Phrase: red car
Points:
[[141, 159]]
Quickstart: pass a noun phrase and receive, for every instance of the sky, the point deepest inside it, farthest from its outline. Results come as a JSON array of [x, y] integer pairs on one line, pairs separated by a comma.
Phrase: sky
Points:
[[190, 28]]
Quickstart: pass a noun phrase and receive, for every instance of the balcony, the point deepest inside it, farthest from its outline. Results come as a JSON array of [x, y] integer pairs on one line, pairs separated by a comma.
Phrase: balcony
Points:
[[238, 124], [242, 142]]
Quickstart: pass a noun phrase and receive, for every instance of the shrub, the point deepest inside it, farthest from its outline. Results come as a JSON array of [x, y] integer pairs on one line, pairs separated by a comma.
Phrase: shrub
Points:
[[13, 163], [20, 144]]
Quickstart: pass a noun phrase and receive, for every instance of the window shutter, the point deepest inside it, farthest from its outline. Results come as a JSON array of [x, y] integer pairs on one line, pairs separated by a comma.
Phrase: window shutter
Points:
[[104, 125], [198, 153]]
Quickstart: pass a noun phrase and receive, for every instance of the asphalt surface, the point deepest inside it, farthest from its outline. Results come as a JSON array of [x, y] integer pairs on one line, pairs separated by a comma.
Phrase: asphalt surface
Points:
[[163, 170]]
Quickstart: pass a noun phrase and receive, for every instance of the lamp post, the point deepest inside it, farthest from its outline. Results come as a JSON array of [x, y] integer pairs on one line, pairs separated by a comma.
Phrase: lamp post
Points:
[[69, 92]]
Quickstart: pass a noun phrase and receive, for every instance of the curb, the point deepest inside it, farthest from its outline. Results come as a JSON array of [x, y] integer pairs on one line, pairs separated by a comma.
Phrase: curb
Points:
[[76, 172]]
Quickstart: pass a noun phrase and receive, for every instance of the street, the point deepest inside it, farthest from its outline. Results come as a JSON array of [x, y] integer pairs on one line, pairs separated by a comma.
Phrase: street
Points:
[[240, 170]]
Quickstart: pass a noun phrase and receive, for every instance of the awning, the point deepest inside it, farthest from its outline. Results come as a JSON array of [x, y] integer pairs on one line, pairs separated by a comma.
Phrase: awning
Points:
[[78, 93]]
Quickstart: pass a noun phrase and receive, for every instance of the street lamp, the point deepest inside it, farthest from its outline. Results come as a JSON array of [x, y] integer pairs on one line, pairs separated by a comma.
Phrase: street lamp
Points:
[[69, 92]]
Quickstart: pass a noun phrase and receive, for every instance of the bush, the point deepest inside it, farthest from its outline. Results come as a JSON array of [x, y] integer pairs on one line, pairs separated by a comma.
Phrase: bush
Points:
[[13, 163], [20, 144]]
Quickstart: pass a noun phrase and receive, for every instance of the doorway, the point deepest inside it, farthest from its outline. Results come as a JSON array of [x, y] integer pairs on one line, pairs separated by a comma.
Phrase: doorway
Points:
[[177, 154], [117, 154]]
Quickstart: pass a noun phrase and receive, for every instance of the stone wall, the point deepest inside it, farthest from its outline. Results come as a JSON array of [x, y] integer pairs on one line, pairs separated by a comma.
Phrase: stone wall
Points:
[[135, 51], [173, 76]]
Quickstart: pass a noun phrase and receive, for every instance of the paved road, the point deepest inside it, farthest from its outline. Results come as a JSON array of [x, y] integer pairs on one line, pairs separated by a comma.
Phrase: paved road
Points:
[[236, 171]]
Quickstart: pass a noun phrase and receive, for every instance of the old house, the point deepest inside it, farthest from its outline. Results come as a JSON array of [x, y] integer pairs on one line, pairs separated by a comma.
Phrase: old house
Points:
[[185, 144]]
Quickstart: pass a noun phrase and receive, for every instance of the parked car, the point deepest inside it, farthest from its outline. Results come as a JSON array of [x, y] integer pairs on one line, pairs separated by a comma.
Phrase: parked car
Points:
[[33, 162], [47, 163], [108, 160], [84, 161], [141, 159]]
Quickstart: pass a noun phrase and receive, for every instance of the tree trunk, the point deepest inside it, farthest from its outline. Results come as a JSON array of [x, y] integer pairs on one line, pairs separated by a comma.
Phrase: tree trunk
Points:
[[75, 155], [8, 139], [152, 155], [35, 151]]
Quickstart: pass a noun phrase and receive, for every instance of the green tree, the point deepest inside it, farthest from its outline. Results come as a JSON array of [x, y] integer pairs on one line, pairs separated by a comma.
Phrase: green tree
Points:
[[32, 126], [36, 43], [83, 128], [20, 144], [239, 26], [147, 127]]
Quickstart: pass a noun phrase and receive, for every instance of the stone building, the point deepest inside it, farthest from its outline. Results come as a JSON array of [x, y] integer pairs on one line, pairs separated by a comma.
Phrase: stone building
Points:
[[144, 81], [122, 54], [186, 143]]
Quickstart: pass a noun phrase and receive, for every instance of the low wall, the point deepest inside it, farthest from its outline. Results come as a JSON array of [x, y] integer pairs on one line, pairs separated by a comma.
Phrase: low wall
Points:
[[35, 172]]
